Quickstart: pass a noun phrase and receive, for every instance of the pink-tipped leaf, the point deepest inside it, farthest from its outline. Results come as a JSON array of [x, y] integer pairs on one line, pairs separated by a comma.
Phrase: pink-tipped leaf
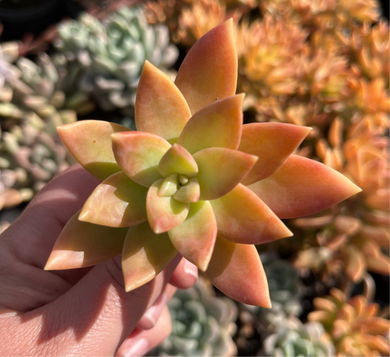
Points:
[[138, 155], [209, 71], [236, 270], [145, 254], [178, 160], [83, 244], [217, 125], [302, 187], [195, 237], [117, 202], [272, 143], [244, 218], [160, 108], [220, 170], [164, 213], [89, 141]]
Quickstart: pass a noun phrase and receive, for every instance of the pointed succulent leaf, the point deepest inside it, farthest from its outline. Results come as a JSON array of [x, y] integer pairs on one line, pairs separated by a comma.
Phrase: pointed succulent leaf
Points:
[[83, 244], [272, 143], [209, 70], [89, 141], [164, 213], [236, 270], [244, 218], [178, 160], [160, 108], [302, 187], [117, 202], [188, 193], [138, 154], [216, 125], [355, 263], [195, 237], [220, 170], [145, 254]]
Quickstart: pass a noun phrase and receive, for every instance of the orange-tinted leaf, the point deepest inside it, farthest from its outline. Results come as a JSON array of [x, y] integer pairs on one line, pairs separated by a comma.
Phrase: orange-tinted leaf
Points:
[[209, 71], [243, 218], [160, 108], [220, 170], [355, 264], [195, 237], [178, 160], [164, 213], [272, 143], [117, 202], [89, 141], [302, 187], [145, 254], [236, 270], [83, 244], [138, 154], [188, 193], [217, 125]]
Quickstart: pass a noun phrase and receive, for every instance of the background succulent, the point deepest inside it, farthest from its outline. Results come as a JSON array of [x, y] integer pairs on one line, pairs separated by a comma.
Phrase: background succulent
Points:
[[202, 324], [108, 55]]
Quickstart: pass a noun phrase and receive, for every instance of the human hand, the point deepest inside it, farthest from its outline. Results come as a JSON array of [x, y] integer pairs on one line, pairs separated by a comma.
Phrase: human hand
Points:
[[83, 312]]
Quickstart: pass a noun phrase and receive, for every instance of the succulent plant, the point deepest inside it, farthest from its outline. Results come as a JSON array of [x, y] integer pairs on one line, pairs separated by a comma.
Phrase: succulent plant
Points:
[[31, 108], [110, 54], [192, 172], [297, 339], [354, 326], [202, 324]]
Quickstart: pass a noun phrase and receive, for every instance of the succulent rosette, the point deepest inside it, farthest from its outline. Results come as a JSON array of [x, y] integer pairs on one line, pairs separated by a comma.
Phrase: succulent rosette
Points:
[[192, 180]]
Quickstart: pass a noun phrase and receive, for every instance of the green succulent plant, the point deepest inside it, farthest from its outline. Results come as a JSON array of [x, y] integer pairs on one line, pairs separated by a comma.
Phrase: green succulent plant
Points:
[[31, 108], [202, 324], [297, 339], [109, 54]]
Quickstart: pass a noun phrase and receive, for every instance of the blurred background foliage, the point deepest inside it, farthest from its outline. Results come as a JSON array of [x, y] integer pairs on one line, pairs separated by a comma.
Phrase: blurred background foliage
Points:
[[319, 63]]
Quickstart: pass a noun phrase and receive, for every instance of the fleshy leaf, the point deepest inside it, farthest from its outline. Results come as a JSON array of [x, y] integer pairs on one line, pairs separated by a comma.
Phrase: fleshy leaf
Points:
[[169, 186], [178, 160], [195, 237], [117, 202], [160, 108], [209, 71], [89, 141], [272, 143], [138, 154], [236, 270], [217, 125], [164, 213], [220, 170], [83, 244], [244, 218], [145, 254], [302, 187], [188, 193]]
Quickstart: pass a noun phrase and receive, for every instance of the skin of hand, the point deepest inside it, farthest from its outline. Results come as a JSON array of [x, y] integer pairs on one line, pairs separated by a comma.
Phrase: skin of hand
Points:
[[79, 312]]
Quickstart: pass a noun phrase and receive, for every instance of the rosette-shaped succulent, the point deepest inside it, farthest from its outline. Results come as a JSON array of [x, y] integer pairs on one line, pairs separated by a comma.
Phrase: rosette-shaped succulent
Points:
[[354, 326], [297, 339], [202, 324], [111, 53], [192, 180]]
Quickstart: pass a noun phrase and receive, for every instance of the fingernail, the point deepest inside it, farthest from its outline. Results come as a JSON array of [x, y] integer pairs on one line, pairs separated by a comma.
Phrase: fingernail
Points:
[[190, 269], [139, 348], [153, 313]]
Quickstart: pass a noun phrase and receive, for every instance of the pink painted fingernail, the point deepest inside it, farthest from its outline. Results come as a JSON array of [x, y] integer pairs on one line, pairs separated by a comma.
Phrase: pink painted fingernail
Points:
[[138, 348], [191, 269]]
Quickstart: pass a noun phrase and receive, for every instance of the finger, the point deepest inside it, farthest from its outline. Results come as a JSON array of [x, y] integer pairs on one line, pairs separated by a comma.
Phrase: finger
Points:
[[142, 341], [95, 315], [34, 233], [185, 275], [151, 316]]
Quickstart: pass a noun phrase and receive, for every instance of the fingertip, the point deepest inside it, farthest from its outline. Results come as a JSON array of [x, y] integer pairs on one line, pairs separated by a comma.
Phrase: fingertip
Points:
[[185, 275]]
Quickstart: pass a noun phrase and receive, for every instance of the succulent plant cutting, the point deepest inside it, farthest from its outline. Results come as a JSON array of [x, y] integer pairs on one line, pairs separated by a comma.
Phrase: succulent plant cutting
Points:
[[192, 180]]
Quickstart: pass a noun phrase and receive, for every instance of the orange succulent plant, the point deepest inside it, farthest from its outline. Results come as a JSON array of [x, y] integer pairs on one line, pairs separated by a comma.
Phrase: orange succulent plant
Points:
[[192, 180]]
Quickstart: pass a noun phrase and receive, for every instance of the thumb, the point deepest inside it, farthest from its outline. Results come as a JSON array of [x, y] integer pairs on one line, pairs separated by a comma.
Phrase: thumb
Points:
[[96, 315]]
